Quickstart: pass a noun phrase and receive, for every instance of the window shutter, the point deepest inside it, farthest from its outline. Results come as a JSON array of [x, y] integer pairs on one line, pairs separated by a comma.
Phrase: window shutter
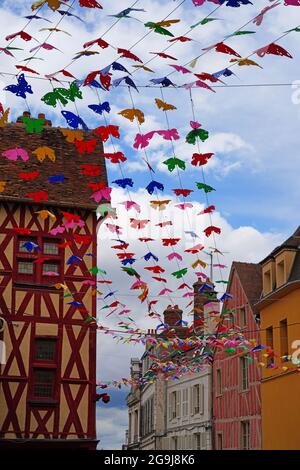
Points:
[[192, 401], [170, 406], [178, 403], [165, 443], [201, 398], [203, 441]]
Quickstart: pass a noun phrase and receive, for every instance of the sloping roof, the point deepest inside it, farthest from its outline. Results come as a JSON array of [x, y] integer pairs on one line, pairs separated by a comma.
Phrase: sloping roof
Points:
[[250, 275], [295, 271], [293, 242], [72, 192]]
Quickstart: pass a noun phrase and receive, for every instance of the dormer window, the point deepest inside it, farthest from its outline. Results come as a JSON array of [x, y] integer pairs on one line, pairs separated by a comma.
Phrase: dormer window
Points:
[[267, 282], [280, 275]]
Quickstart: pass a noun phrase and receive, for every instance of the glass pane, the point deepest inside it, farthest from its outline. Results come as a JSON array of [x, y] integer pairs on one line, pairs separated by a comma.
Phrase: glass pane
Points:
[[43, 383], [25, 267], [45, 349], [51, 248], [50, 267]]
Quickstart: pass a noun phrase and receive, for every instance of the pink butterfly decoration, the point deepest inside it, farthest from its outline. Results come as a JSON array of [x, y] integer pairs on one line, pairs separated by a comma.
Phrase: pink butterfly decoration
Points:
[[45, 45], [180, 68], [184, 205], [14, 154], [195, 124], [56, 230], [164, 291], [131, 204], [171, 256], [104, 193]]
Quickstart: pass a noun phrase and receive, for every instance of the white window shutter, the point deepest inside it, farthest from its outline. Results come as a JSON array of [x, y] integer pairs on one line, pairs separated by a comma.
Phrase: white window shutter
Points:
[[192, 400], [201, 398], [170, 406], [178, 403], [203, 441]]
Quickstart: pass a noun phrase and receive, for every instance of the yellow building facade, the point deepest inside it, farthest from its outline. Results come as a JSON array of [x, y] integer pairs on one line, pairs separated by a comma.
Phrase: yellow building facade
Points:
[[280, 331]]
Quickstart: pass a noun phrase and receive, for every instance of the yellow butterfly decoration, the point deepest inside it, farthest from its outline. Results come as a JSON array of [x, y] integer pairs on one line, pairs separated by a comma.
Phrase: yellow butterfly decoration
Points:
[[143, 67], [4, 118], [199, 263], [166, 23], [143, 296], [133, 113], [53, 4], [160, 205], [71, 136], [43, 152], [44, 214], [163, 105], [2, 186], [61, 286], [245, 61]]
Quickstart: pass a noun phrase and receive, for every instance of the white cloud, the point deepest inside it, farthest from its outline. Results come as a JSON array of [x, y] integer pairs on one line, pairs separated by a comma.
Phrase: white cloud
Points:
[[111, 426]]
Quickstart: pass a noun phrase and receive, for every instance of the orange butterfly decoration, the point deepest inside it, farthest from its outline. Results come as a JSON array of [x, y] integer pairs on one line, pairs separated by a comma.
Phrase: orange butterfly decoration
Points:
[[4, 118], [87, 146], [138, 223], [163, 105], [133, 113], [43, 152], [245, 61], [160, 205], [166, 23], [71, 136], [53, 4], [2, 186]]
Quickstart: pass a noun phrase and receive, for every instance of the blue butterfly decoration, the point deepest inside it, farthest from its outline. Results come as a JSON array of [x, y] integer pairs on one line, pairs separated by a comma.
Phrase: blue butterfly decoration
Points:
[[205, 286], [119, 240], [56, 179], [226, 296], [154, 184], [30, 246], [64, 12], [74, 121], [123, 183], [128, 261], [120, 67], [235, 3], [21, 88], [75, 304], [150, 255], [164, 81], [110, 294], [127, 80], [224, 72], [100, 108], [74, 259]]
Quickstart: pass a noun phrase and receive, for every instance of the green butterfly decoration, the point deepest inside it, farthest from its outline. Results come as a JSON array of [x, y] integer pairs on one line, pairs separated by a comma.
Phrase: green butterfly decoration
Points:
[[96, 270], [62, 95], [206, 188], [239, 33], [180, 273], [174, 162], [203, 22], [192, 136], [131, 271], [158, 29], [33, 126]]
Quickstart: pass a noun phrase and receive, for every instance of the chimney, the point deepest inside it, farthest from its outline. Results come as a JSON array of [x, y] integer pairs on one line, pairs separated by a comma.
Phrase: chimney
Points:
[[206, 295], [172, 315], [40, 116]]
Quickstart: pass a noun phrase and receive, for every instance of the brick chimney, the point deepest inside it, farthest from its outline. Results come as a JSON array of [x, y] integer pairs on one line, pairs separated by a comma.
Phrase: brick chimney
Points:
[[201, 299], [172, 315]]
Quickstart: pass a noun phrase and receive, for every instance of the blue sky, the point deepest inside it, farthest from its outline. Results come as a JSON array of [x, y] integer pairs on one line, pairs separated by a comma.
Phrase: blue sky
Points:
[[254, 133]]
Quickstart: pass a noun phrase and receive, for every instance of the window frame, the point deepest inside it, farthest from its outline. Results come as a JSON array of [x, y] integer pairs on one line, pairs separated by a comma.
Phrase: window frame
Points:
[[53, 384], [244, 374], [245, 425]]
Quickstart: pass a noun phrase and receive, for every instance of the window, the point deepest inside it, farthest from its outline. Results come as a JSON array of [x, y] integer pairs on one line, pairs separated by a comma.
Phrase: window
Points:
[[245, 435], [45, 349], [219, 383], [243, 317], [267, 282], [270, 345], [244, 373], [51, 248], [185, 402], [280, 278], [174, 443], [50, 267], [197, 441], [198, 399], [43, 383], [174, 405], [25, 267], [284, 348], [219, 441], [22, 241]]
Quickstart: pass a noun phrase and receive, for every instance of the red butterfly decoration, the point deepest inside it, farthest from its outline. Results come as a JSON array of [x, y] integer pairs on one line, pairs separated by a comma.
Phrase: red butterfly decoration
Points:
[[85, 239], [221, 47], [105, 131], [22, 230], [128, 55], [139, 224], [207, 76], [90, 170], [96, 186], [274, 49], [164, 224], [71, 217], [41, 260], [115, 157], [155, 269], [100, 42], [208, 210], [104, 79], [26, 69], [211, 229], [159, 279], [87, 146], [124, 246], [201, 158], [183, 192], [125, 255], [38, 196], [170, 241], [23, 35], [90, 4], [180, 38], [29, 176], [145, 239], [164, 56], [64, 245]]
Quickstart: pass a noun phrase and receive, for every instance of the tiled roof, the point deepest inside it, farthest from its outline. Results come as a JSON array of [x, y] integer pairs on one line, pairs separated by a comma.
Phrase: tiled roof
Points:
[[72, 192], [250, 275], [292, 242]]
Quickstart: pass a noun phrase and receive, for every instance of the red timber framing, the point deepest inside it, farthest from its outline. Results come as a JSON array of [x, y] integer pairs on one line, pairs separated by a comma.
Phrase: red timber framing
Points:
[[34, 308]]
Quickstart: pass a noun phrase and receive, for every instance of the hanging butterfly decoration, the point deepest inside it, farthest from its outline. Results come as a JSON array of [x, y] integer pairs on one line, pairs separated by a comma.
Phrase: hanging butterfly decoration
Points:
[[21, 88]]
